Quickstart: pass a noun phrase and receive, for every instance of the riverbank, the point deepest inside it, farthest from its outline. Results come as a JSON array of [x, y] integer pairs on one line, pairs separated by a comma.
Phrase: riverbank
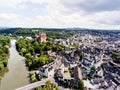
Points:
[[17, 75], [4, 53]]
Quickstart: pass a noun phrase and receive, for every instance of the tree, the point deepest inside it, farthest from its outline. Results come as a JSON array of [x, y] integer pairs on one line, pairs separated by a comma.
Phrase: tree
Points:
[[42, 60], [93, 69], [29, 63], [31, 73], [4, 51], [80, 85], [115, 54], [1, 66], [50, 86], [39, 88], [68, 84], [23, 50], [32, 77], [5, 62], [28, 55], [31, 50]]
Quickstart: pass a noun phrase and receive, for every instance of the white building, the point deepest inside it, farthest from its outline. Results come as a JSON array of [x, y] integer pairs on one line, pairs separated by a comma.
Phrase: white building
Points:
[[47, 70]]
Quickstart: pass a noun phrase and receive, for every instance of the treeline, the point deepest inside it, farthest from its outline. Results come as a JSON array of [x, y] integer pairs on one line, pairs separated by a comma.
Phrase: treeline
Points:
[[58, 35], [51, 33], [31, 48], [25, 32], [4, 51]]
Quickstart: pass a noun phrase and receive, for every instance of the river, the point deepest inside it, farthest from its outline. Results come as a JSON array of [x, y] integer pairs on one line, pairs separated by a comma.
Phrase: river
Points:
[[17, 75]]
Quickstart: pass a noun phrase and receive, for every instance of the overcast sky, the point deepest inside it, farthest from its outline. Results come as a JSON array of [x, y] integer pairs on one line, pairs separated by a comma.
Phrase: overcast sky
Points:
[[101, 14]]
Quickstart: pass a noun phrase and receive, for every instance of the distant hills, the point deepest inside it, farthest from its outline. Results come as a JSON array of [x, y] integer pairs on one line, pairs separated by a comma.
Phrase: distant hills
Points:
[[5, 28]]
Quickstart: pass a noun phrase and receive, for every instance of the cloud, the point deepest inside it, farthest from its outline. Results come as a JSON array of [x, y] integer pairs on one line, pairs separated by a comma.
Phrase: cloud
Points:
[[9, 3], [60, 13], [109, 18], [8, 19], [92, 5]]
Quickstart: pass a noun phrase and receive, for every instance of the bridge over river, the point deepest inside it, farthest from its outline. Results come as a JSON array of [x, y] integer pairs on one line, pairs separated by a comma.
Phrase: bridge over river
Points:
[[32, 85], [39, 83]]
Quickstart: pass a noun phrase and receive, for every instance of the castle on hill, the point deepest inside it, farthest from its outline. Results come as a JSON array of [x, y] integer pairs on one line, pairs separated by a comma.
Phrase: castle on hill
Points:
[[41, 36]]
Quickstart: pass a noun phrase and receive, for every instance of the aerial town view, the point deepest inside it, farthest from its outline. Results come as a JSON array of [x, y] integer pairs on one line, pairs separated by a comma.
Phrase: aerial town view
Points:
[[59, 45]]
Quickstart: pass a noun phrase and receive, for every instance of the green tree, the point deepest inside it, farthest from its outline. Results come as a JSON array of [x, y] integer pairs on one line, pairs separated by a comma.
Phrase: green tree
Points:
[[1, 66], [4, 51], [5, 62], [23, 50], [39, 88], [42, 60], [68, 84], [80, 85], [93, 69], [31, 73], [28, 55], [29, 63], [50, 86]]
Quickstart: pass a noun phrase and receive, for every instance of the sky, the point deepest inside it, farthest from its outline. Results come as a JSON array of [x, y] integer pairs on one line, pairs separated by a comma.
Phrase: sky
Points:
[[97, 14]]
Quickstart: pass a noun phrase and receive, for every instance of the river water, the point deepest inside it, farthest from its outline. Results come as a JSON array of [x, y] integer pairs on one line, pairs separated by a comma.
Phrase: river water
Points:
[[17, 75]]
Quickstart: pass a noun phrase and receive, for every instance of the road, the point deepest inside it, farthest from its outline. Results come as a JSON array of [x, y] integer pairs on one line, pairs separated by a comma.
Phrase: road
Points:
[[39, 83], [33, 85], [118, 65]]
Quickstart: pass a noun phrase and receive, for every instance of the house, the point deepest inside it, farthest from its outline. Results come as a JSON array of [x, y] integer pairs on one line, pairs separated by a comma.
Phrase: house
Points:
[[97, 80], [88, 62], [72, 65], [52, 54], [59, 75], [77, 73], [63, 74], [30, 38], [19, 37], [100, 72], [47, 70]]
